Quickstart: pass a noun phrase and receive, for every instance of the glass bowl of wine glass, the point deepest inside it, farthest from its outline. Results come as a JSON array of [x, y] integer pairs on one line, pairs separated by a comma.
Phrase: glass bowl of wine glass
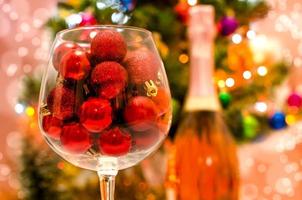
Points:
[[105, 102]]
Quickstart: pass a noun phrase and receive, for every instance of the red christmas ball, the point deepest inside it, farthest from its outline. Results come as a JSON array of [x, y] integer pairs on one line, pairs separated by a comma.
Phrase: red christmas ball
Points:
[[52, 126], [115, 142], [140, 113], [61, 102], [110, 90], [75, 65], [111, 78], [108, 71], [182, 11], [162, 100], [109, 45], [75, 138], [142, 65], [294, 100], [95, 114], [60, 51]]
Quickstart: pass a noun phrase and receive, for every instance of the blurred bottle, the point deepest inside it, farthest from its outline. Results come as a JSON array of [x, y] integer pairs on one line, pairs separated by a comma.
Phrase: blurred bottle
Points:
[[206, 165]]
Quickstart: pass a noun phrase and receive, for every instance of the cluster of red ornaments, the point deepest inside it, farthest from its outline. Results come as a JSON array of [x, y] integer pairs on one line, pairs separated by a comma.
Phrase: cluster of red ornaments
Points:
[[92, 100]]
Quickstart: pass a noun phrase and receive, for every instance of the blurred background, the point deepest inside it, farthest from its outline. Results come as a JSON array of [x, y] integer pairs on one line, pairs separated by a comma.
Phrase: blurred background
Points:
[[258, 59]]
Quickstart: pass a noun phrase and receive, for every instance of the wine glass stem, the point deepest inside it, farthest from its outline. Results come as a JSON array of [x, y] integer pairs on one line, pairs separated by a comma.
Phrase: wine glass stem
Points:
[[107, 185]]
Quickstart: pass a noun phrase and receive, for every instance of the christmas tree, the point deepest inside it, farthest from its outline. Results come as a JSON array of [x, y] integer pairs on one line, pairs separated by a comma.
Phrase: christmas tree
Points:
[[242, 76]]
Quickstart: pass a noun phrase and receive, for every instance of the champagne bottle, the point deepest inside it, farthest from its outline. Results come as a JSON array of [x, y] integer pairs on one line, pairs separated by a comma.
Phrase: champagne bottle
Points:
[[205, 163]]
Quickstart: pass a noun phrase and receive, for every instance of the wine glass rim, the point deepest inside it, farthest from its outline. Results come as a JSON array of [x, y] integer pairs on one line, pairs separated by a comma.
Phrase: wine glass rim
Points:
[[132, 28]]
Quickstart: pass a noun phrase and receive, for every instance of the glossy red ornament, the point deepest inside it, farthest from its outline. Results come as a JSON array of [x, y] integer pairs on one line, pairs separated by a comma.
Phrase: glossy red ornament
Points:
[[75, 138], [162, 100], [182, 11], [60, 51], [52, 126], [142, 66], [96, 114], [75, 65], [140, 113], [109, 45], [115, 142], [61, 102], [111, 78], [294, 100]]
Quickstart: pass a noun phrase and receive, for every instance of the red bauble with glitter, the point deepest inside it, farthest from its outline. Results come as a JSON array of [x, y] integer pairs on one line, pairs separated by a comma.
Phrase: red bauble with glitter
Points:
[[96, 114], [75, 65], [115, 142], [109, 71], [142, 66], [111, 78], [110, 90], [109, 45], [52, 126], [60, 51], [75, 138], [61, 102], [140, 113]]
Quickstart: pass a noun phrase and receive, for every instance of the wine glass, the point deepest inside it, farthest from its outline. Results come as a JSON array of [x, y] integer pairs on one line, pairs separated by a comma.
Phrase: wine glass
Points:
[[105, 102]]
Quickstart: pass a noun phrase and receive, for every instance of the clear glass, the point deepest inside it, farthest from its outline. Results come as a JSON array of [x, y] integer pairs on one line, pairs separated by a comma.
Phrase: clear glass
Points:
[[119, 130]]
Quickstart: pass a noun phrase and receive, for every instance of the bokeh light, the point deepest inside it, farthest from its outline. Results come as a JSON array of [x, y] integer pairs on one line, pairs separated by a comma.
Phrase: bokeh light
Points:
[[247, 75], [19, 108], [30, 111], [262, 71], [192, 2], [236, 38], [251, 34], [183, 58], [261, 106], [221, 84], [230, 82]]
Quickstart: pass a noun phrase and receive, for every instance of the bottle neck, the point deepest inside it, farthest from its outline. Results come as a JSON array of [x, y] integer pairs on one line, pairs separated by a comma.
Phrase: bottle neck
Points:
[[201, 94], [201, 69]]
